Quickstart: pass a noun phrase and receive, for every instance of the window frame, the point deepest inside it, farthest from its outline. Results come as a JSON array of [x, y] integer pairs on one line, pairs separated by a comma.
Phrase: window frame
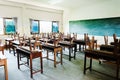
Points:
[[58, 26], [15, 25], [31, 26]]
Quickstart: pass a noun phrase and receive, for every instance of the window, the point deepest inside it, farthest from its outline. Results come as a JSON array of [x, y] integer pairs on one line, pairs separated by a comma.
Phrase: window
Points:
[[38, 26], [10, 24], [34, 26], [55, 26], [45, 26]]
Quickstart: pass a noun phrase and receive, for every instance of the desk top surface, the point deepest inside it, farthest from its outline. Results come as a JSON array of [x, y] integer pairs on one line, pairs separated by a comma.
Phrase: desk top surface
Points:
[[9, 39], [27, 49], [66, 43], [50, 45]]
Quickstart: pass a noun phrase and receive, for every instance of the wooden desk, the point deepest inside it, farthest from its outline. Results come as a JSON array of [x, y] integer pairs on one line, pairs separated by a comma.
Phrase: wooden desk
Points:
[[84, 43], [3, 62], [30, 55], [101, 54], [55, 49], [70, 46]]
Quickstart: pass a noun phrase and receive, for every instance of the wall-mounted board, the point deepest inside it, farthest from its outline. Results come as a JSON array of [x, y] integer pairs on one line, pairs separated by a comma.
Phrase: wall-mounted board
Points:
[[97, 27]]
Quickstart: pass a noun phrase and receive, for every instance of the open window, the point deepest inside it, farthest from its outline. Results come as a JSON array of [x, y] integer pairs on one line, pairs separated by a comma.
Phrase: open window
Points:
[[45, 26]]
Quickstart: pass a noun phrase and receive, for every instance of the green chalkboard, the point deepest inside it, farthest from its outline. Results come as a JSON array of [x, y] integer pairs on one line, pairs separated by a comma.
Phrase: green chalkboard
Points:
[[98, 27]]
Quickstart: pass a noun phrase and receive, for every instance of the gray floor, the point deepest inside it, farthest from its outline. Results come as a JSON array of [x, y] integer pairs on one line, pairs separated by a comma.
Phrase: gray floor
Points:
[[70, 70]]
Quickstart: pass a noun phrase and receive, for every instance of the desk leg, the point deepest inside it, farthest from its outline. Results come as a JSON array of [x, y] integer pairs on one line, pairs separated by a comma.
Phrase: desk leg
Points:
[[6, 71], [13, 50], [117, 70], [47, 54], [41, 62], [85, 64], [90, 64], [54, 58], [31, 66], [69, 54], [75, 50], [18, 61], [9, 48], [79, 47], [61, 56]]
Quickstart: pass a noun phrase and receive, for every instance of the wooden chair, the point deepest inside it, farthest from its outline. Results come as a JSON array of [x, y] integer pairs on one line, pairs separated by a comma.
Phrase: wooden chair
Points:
[[90, 43], [22, 41], [86, 38], [114, 37], [106, 40], [1, 47], [37, 45]]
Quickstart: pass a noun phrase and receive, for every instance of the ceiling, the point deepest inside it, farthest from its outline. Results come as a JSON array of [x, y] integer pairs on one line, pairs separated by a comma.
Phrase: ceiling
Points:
[[70, 4]]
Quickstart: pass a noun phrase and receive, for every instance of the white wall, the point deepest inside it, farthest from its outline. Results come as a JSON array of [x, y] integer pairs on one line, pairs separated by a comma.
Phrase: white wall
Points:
[[103, 9], [24, 12]]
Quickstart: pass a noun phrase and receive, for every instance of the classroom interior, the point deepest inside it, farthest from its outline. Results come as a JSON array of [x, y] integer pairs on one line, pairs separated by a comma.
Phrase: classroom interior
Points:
[[75, 39]]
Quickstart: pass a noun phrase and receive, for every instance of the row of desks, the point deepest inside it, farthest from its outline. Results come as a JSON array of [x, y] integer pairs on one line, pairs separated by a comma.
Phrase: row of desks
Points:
[[49, 47], [80, 42]]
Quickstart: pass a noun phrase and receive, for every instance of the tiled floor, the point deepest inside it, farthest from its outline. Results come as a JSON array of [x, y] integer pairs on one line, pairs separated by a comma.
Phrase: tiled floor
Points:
[[70, 70]]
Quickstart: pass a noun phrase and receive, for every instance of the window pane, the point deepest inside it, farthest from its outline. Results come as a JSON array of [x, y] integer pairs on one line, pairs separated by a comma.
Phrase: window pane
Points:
[[9, 26], [35, 27], [55, 26], [45, 26], [1, 26]]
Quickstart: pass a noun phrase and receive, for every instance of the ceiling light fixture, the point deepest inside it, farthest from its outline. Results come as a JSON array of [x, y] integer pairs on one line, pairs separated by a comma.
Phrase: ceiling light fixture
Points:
[[54, 1]]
